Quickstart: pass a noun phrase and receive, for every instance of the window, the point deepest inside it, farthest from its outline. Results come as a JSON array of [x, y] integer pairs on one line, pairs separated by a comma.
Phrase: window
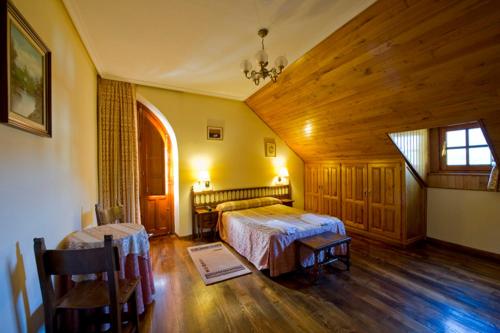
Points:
[[464, 148]]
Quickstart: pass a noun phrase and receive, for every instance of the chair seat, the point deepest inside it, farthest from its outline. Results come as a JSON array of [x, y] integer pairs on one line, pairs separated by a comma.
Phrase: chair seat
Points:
[[94, 294]]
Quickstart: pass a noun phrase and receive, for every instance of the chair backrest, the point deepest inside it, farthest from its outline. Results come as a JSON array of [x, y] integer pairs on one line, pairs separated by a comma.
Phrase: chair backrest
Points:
[[74, 262], [110, 215]]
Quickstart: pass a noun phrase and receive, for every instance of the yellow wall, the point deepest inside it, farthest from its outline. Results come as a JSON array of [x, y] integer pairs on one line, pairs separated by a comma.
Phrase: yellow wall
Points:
[[48, 186], [469, 218], [237, 161]]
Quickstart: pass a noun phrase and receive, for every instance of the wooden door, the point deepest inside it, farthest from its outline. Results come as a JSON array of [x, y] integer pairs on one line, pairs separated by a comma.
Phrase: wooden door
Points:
[[312, 188], [384, 199], [330, 190], [354, 188], [155, 190]]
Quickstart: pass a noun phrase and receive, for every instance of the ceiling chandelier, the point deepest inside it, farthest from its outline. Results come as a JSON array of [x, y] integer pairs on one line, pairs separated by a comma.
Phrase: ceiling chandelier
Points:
[[261, 58]]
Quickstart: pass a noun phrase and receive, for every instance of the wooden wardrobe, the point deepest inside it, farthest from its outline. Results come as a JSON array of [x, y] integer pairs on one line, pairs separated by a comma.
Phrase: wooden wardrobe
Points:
[[377, 199]]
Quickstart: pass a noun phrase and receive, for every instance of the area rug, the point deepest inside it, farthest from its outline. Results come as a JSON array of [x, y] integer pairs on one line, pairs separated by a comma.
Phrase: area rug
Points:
[[216, 263]]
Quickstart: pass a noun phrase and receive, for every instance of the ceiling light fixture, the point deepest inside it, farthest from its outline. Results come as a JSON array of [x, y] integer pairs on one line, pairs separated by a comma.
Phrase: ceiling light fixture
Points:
[[261, 58]]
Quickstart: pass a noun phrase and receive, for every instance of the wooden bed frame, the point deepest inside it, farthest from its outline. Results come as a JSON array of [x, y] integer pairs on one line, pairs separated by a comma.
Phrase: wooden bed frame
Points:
[[213, 198]]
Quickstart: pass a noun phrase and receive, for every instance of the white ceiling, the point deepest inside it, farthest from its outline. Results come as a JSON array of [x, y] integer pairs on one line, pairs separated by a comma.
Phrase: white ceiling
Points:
[[198, 45]]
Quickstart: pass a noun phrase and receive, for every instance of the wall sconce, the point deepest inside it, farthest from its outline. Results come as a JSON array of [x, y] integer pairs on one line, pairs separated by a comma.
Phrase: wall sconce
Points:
[[282, 176], [203, 183]]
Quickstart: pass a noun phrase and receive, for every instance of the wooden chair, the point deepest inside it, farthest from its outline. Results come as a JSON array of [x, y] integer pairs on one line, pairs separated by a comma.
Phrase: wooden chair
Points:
[[108, 216], [87, 295]]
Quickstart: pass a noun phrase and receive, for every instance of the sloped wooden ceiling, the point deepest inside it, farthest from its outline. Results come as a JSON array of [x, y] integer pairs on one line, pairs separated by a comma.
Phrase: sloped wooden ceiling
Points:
[[398, 66]]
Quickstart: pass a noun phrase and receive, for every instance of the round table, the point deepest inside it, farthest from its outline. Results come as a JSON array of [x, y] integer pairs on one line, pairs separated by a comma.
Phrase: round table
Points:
[[133, 247]]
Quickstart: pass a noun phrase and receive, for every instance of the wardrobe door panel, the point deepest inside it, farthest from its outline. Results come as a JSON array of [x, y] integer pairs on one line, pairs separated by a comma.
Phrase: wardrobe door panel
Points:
[[330, 189], [312, 188], [354, 204], [384, 199]]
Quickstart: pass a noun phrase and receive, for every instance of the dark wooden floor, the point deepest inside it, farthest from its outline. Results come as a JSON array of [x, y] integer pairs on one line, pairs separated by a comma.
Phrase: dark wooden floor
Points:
[[424, 289]]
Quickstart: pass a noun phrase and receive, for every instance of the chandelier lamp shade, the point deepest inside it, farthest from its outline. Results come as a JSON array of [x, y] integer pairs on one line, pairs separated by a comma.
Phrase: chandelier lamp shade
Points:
[[261, 59]]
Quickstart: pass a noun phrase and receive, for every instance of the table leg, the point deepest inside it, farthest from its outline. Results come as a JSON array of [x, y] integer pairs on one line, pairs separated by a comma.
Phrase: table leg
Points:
[[297, 257], [348, 259], [316, 266], [193, 227], [200, 230]]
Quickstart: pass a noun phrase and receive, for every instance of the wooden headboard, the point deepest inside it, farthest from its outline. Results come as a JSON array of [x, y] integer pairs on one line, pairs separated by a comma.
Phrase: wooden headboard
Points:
[[213, 198]]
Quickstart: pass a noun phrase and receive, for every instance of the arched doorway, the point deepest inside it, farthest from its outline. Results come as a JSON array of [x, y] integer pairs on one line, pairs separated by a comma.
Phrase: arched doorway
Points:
[[155, 173]]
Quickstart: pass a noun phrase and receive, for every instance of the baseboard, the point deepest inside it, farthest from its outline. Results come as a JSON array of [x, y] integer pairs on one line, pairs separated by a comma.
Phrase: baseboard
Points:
[[371, 240], [415, 240], [188, 237], [159, 235], [366, 235], [464, 249]]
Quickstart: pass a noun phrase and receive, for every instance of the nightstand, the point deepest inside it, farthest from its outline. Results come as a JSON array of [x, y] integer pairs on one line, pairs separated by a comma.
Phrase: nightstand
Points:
[[287, 202], [205, 219]]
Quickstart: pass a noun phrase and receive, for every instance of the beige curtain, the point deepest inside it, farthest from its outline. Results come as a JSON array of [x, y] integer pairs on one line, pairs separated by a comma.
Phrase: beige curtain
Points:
[[493, 184], [118, 148]]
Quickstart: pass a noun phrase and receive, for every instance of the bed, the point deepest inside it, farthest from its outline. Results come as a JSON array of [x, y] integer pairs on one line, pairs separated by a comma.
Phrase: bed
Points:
[[260, 228]]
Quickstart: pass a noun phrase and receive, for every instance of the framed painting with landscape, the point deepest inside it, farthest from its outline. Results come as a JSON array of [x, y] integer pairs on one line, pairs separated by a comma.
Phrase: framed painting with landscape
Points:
[[25, 74]]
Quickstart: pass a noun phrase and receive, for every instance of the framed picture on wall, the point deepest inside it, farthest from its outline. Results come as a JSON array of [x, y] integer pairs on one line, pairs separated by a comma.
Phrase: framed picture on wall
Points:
[[214, 133], [270, 147], [25, 74]]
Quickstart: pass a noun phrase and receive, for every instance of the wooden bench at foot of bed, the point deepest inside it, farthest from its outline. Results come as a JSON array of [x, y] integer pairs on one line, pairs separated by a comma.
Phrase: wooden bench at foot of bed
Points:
[[324, 242]]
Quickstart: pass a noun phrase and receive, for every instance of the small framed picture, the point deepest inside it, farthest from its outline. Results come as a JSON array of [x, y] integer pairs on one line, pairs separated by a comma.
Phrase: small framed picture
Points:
[[25, 74], [270, 147], [214, 133]]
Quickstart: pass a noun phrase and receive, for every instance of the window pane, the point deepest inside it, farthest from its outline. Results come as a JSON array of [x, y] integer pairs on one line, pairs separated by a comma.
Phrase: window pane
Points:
[[479, 156], [476, 137], [456, 157], [455, 138]]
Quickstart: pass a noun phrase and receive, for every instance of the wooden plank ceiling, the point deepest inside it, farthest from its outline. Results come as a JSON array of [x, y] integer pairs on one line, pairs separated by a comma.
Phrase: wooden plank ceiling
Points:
[[398, 66]]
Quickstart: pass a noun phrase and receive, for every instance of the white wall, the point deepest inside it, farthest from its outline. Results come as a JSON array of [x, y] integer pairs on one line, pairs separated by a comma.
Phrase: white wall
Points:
[[48, 186], [237, 161], [469, 218]]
